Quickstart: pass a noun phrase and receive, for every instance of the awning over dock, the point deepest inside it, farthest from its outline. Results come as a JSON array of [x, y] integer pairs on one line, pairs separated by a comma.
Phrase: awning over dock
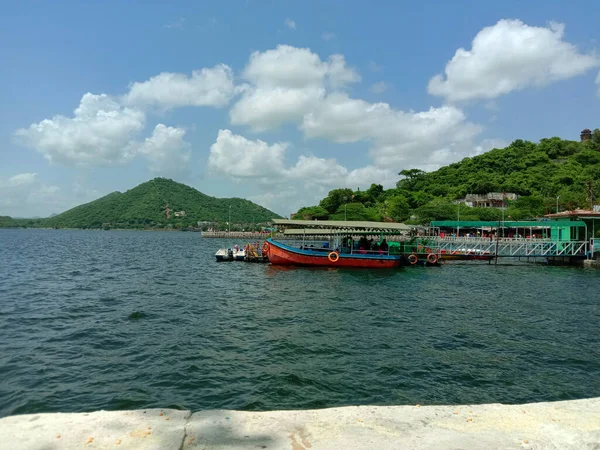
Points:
[[507, 224], [335, 226]]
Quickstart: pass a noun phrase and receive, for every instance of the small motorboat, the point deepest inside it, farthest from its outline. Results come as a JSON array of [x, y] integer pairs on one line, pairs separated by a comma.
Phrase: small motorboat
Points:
[[230, 254], [224, 254]]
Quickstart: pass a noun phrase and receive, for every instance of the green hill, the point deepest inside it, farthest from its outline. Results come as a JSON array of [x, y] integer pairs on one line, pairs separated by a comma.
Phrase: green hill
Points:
[[146, 205], [537, 172]]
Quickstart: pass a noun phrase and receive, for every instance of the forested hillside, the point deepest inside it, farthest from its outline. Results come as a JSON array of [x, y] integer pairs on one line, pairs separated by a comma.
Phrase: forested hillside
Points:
[[538, 173], [149, 205]]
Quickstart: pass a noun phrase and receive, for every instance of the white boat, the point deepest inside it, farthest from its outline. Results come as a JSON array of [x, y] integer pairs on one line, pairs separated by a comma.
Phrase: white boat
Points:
[[230, 254]]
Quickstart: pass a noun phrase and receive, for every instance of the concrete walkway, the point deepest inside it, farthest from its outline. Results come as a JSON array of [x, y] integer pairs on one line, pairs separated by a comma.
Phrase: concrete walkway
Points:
[[562, 425]]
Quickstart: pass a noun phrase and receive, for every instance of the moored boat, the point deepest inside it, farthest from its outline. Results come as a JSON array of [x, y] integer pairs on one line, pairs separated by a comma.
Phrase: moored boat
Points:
[[347, 244], [280, 253], [230, 254]]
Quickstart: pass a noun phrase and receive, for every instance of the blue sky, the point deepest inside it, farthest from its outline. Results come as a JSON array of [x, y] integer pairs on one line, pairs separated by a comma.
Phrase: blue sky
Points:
[[278, 102]]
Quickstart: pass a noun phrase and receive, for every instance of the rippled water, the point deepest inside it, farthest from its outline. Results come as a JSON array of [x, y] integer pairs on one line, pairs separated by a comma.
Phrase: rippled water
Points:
[[119, 320]]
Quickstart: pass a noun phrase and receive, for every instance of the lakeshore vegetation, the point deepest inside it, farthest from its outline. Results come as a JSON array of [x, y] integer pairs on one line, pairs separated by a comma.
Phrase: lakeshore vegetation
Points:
[[541, 174], [159, 203]]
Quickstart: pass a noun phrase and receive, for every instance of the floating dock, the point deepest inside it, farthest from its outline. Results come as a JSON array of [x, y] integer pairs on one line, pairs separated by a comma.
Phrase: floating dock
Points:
[[566, 425]]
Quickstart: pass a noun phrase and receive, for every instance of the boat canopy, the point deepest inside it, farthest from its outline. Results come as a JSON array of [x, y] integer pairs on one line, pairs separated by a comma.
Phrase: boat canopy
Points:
[[507, 224], [336, 226]]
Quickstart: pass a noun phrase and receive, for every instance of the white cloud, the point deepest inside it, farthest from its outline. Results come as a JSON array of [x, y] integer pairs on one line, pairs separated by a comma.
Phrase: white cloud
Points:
[[289, 84], [338, 74], [266, 108], [598, 83], [510, 56], [398, 138], [328, 36], [205, 87], [286, 83], [237, 157], [99, 133], [291, 24], [23, 195], [379, 88], [166, 150], [311, 176]]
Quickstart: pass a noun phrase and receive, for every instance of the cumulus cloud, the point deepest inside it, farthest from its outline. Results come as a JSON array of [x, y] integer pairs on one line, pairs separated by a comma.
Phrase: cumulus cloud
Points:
[[398, 137], [102, 132], [166, 150], [291, 24], [240, 158], [510, 56], [285, 83], [237, 157], [598, 83], [294, 85], [205, 87], [99, 133], [24, 195]]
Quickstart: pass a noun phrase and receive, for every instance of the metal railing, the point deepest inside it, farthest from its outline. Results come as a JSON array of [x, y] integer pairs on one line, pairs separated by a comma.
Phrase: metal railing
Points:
[[514, 248]]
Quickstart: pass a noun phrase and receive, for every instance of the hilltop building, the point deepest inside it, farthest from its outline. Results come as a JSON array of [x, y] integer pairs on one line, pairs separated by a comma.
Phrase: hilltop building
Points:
[[586, 135], [489, 200]]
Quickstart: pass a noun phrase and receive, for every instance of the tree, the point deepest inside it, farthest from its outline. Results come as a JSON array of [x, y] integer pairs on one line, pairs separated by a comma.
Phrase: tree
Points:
[[375, 192], [411, 174], [335, 198], [312, 213], [356, 211], [397, 208]]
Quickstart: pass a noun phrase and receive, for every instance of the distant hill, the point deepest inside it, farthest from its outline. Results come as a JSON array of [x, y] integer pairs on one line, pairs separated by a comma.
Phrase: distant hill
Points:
[[153, 204]]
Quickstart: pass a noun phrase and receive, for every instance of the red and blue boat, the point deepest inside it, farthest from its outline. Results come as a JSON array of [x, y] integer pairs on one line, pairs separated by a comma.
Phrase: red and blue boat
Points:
[[346, 244]]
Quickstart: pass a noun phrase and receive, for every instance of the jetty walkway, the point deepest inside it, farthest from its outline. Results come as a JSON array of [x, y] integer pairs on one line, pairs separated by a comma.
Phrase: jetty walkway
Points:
[[567, 425]]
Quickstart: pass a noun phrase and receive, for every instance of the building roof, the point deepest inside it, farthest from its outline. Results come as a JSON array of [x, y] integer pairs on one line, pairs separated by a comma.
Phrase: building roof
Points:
[[587, 213], [506, 224], [345, 225]]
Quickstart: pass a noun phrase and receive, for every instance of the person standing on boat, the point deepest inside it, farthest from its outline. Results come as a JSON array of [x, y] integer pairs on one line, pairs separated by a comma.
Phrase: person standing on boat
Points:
[[384, 245]]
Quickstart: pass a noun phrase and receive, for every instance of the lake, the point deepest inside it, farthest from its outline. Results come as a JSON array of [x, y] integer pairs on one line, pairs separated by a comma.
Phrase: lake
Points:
[[128, 319]]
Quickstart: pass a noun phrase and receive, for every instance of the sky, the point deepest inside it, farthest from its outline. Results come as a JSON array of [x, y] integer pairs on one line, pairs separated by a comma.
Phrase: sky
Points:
[[278, 101]]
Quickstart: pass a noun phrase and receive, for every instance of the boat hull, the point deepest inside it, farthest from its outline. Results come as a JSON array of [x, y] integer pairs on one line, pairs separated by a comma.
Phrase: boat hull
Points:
[[282, 254]]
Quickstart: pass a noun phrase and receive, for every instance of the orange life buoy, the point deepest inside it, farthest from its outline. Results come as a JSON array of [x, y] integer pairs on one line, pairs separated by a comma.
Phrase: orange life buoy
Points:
[[413, 259], [432, 258], [333, 256], [265, 248]]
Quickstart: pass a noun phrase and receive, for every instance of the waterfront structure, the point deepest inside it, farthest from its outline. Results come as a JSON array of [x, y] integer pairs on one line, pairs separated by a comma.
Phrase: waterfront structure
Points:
[[556, 241], [591, 218]]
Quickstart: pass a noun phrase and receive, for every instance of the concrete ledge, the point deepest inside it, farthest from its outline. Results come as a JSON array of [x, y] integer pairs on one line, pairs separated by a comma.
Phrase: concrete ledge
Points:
[[561, 425], [160, 429]]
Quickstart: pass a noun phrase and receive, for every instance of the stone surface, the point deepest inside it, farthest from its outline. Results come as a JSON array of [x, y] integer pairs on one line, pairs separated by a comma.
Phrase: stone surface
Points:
[[562, 425], [570, 425], [143, 429]]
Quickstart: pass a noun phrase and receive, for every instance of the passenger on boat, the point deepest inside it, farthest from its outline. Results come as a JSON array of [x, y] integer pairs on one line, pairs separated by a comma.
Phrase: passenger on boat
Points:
[[374, 246], [363, 243], [384, 245]]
